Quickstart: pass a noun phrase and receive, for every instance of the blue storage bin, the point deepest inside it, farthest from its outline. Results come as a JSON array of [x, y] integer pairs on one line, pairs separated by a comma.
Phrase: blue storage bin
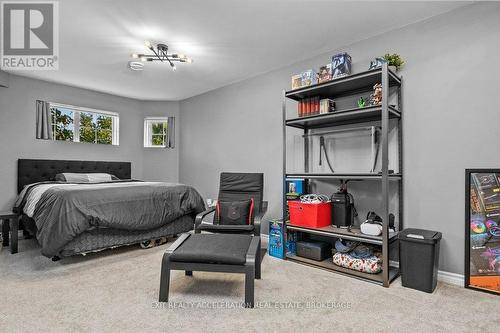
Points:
[[291, 242]]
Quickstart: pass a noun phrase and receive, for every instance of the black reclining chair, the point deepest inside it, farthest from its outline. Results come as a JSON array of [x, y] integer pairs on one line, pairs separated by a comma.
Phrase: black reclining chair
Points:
[[237, 187]]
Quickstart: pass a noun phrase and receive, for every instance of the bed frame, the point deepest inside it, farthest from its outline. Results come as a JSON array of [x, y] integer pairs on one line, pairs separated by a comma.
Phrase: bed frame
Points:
[[31, 171]]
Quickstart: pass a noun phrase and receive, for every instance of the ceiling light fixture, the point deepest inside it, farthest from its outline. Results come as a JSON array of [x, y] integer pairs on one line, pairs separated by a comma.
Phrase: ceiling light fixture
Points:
[[136, 65], [160, 53]]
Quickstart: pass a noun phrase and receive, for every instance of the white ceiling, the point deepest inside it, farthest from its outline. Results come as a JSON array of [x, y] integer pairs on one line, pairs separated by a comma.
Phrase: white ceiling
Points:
[[229, 40]]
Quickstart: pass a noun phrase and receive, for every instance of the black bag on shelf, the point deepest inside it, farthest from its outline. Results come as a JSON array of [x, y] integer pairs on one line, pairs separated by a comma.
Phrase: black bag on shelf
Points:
[[343, 211]]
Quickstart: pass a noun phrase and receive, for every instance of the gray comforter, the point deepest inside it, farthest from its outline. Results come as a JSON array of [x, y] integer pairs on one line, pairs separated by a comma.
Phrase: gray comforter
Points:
[[64, 211]]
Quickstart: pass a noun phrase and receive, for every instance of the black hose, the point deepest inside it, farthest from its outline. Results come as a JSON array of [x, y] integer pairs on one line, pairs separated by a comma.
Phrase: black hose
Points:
[[322, 146], [377, 149]]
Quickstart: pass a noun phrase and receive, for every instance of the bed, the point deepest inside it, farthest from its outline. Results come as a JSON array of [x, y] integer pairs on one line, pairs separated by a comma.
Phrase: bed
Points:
[[75, 218]]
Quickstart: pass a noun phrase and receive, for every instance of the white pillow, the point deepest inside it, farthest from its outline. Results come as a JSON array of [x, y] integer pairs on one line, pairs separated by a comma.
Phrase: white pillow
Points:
[[85, 177]]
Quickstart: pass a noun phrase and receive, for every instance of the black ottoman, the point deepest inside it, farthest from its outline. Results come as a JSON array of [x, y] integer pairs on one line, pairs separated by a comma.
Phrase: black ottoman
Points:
[[227, 253]]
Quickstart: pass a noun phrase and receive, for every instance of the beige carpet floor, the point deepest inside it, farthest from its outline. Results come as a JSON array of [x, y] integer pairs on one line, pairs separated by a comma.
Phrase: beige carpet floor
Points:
[[117, 290]]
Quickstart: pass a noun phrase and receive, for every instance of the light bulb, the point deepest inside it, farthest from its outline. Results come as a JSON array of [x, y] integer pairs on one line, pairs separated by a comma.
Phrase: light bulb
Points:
[[136, 65], [143, 58], [148, 44], [189, 60], [181, 56], [174, 68], [135, 55]]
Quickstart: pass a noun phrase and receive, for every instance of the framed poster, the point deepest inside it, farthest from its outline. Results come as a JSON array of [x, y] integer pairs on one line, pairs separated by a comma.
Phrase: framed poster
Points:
[[482, 229]]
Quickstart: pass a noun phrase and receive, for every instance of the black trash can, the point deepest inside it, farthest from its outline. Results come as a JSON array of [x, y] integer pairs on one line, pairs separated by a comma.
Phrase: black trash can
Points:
[[419, 258]]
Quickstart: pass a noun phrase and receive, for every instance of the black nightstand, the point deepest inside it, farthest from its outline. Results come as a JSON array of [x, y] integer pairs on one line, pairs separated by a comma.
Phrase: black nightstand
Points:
[[10, 222]]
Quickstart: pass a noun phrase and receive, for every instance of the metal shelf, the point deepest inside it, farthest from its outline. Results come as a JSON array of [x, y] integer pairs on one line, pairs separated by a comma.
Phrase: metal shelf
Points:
[[328, 264], [343, 117], [347, 85], [334, 232], [350, 86], [361, 176]]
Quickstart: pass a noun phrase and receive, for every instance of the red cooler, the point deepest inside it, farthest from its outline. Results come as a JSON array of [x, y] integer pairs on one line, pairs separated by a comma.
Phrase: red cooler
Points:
[[310, 215]]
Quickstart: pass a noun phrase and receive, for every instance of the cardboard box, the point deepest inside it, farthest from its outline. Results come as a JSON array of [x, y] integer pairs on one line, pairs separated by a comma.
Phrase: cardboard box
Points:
[[296, 81], [341, 65], [325, 73], [309, 78], [276, 239], [326, 105]]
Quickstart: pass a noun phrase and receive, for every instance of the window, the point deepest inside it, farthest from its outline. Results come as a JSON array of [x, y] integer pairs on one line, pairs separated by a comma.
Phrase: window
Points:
[[156, 132], [76, 124]]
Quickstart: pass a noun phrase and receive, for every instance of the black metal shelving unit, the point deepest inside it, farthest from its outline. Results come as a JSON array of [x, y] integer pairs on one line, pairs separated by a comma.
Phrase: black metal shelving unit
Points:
[[342, 87]]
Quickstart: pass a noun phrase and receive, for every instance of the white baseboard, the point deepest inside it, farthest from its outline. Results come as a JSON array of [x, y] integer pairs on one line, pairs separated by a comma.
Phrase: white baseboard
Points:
[[443, 276], [451, 278]]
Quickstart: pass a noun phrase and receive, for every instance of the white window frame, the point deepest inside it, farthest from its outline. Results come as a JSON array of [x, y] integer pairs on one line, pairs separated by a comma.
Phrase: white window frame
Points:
[[148, 135], [115, 118]]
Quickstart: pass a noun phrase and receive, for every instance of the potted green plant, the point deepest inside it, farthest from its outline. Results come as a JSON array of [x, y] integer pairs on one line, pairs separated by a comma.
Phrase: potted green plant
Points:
[[394, 61]]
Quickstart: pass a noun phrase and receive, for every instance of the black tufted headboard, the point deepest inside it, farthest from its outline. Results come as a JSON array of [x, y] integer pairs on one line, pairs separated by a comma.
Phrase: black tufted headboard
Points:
[[31, 171]]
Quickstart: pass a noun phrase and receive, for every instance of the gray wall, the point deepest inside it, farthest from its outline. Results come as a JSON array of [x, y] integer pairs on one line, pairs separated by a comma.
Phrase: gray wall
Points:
[[17, 132], [161, 164], [450, 119]]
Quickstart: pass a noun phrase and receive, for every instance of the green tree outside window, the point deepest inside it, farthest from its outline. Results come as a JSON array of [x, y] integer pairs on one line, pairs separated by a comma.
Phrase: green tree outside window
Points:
[[62, 122], [96, 128], [91, 127], [158, 133]]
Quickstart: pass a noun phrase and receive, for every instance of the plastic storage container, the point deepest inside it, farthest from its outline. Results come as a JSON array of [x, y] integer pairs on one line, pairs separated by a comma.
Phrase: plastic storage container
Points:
[[291, 242], [310, 215], [419, 258], [314, 250]]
